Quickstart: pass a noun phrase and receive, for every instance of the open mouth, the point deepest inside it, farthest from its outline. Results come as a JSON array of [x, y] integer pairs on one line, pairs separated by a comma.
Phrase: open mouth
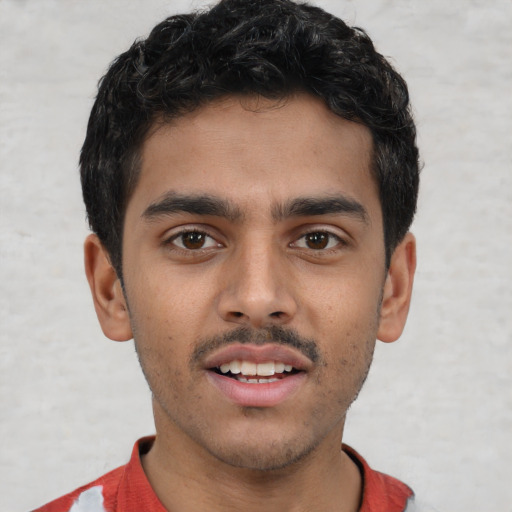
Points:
[[257, 376], [255, 373]]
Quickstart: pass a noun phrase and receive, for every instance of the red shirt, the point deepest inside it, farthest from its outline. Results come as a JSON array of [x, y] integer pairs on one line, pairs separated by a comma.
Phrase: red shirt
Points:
[[126, 489]]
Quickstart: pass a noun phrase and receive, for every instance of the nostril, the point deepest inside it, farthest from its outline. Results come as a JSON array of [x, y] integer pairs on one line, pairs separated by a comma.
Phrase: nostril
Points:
[[277, 314], [237, 314]]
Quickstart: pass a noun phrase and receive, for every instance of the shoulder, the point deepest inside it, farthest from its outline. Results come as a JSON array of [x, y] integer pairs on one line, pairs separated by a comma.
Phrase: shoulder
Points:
[[125, 488], [92, 497], [384, 492]]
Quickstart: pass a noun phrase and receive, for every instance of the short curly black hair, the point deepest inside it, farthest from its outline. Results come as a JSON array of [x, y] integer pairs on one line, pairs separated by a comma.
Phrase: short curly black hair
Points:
[[271, 48]]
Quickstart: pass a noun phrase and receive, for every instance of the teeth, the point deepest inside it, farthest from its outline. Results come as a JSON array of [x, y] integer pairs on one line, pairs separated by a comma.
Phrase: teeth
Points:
[[247, 368], [256, 381], [265, 369], [224, 368]]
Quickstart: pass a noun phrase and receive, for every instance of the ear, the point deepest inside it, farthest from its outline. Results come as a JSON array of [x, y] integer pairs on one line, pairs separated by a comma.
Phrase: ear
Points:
[[107, 293], [397, 292]]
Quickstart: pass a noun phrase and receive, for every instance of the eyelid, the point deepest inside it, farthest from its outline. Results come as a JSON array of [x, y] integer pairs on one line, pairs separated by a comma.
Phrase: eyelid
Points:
[[206, 245], [332, 235], [175, 233], [342, 238]]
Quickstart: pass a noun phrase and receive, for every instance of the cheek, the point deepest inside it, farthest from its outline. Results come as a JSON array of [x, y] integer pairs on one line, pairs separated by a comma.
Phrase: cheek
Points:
[[166, 318], [166, 304], [350, 352], [347, 323], [345, 306]]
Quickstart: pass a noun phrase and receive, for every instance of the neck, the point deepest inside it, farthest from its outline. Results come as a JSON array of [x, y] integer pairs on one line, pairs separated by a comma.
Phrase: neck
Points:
[[186, 477]]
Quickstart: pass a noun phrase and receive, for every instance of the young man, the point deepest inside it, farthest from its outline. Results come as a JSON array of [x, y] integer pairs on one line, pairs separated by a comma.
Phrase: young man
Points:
[[250, 174]]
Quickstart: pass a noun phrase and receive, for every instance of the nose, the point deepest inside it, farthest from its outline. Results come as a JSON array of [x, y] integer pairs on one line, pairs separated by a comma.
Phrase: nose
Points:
[[256, 288]]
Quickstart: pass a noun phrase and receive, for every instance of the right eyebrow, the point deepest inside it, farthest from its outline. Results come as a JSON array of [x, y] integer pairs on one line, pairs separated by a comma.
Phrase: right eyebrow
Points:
[[196, 204]]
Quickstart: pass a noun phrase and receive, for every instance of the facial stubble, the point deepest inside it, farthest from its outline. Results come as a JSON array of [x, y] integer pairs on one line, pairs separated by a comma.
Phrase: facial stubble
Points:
[[275, 454]]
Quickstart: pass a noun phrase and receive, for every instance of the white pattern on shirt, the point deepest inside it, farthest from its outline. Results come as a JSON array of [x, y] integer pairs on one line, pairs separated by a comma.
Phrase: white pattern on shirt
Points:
[[90, 500]]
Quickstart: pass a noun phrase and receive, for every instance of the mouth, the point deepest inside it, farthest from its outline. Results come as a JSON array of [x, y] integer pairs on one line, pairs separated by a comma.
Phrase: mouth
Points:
[[257, 375], [249, 372]]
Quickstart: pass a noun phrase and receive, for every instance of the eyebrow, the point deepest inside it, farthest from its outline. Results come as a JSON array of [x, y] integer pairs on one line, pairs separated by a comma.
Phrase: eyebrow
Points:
[[315, 206], [204, 204]]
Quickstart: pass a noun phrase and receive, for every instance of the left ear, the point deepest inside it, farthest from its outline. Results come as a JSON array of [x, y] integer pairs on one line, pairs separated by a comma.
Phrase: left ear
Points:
[[397, 292]]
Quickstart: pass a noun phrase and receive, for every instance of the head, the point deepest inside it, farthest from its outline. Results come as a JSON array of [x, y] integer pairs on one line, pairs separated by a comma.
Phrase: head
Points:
[[250, 173], [270, 48]]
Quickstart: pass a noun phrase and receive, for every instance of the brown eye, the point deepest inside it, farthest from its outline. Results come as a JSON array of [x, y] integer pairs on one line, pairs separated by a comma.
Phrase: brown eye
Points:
[[194, 240], [316, 240]]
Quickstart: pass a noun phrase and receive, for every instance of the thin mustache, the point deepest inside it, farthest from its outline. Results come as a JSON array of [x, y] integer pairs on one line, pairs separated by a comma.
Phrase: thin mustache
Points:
[[273, 334]]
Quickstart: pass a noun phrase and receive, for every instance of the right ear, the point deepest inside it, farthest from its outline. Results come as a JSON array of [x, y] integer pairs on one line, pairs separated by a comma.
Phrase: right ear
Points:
[[107, 292]]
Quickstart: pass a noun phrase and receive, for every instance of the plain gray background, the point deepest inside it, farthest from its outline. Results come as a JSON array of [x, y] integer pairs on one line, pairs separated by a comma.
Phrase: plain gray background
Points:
[[436, 410]]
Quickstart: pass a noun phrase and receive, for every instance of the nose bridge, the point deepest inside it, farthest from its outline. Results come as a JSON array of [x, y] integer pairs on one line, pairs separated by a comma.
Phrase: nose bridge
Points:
[[258, 280], [256, 290]]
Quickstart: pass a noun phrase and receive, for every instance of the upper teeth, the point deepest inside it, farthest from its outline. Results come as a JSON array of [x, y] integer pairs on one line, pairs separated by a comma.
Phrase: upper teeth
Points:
[[248, 368]]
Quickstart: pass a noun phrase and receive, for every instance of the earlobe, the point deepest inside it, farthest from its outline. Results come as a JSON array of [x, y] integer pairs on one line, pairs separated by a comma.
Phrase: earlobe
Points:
[[397, 292], [107, 293]]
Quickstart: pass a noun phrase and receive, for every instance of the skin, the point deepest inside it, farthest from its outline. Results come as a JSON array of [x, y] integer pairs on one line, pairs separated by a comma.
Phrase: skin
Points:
[[258, 264]]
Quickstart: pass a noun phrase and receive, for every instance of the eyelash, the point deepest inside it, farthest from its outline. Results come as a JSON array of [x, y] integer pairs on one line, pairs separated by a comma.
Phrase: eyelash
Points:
[[171, 241], [339, 242]]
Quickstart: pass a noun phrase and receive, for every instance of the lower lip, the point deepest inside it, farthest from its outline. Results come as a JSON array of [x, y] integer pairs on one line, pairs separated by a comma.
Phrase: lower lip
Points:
[[256, 395]]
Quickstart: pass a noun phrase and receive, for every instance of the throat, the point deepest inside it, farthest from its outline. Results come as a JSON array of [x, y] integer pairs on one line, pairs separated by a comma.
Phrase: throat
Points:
[[297, 487]]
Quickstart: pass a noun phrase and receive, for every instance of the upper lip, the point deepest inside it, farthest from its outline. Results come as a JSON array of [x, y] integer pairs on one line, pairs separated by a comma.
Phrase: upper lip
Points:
[[258, 354]]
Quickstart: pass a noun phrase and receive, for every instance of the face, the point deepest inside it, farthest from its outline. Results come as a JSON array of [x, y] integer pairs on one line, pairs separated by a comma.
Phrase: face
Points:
[[253, 261]]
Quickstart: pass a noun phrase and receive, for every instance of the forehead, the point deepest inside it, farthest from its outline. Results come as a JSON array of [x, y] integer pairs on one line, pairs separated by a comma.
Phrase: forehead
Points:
[[250, 148]]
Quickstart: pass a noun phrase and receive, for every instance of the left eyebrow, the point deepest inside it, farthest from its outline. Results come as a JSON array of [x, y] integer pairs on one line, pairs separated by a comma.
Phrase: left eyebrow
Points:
[[315, 206]]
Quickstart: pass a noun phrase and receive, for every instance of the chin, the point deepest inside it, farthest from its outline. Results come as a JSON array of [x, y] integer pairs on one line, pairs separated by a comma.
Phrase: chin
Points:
[[273, 455]]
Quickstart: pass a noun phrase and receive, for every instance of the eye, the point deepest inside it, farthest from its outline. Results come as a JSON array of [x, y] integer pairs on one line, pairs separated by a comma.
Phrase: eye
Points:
[[317, 241], [193, 240]]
